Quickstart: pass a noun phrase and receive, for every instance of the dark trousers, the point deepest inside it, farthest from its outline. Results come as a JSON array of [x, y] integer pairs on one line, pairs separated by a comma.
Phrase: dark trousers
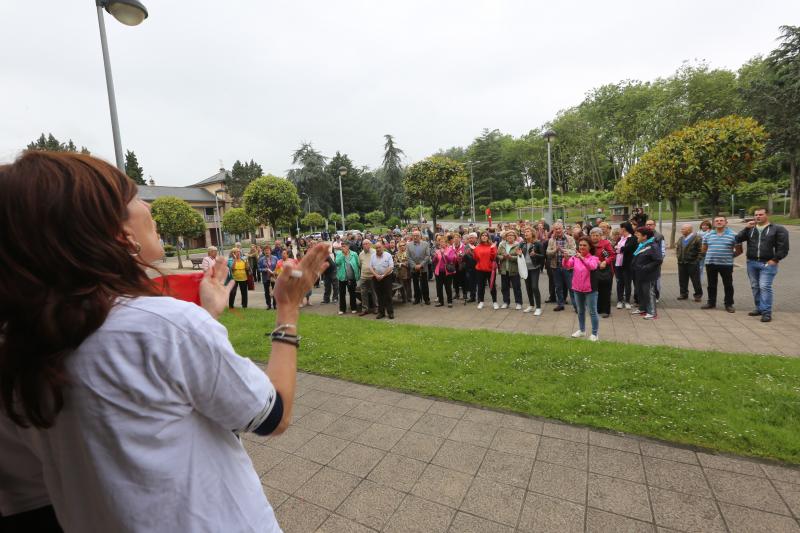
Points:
[[243, 288], [443, 280], [420, 280], [471, 283], [459, 284], [686, 272], [406, 291], [483, 279], [511, 281], [551, 284], [384, 290], [604, 295], [532, 287], [726, 273], [563, 284], [346, 287], [624, 281], [330, 288], [267, 297]]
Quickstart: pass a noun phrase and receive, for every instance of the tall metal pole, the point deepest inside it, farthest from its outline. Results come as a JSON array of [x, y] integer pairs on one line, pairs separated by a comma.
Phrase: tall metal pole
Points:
[[549, 186], [660, 219], [472, 190], [112, 100], [219, 226], [341, 200]]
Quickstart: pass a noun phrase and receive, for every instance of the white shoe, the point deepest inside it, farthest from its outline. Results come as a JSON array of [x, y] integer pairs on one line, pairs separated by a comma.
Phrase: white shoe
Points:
[[627, 306], [496, 307], [538, 312], [636, 312], [480, 305], [519, 307], [504, 306], [527, 309], [579, 333], [593, 338], [620, 305], [341, 312], [354, 311], [648, 316]]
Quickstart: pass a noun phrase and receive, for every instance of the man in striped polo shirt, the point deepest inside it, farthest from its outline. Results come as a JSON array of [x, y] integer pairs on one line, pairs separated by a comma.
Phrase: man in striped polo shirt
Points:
[[720, 247]]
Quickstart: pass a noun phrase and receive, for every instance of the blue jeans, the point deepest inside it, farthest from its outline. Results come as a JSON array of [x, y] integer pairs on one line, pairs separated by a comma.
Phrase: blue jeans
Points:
[[563, 285], [584, 300], [761, 276]]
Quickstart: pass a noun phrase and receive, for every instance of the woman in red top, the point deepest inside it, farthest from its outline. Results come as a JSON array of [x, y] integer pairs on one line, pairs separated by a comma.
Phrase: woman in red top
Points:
[[605, 272], [485, 254]]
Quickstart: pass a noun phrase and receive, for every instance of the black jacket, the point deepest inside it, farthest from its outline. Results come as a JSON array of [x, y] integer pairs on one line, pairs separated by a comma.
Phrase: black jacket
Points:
[[647, 265], [772, 243], [536, 252], [627, 251], [691, 252]]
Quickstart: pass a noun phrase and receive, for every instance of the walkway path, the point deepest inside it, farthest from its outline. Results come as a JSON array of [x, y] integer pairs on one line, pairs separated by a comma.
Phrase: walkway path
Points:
[[360, 459]]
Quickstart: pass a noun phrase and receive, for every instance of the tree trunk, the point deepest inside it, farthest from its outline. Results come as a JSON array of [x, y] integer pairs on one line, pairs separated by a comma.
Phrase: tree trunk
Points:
[[673, 202], [770, 203], [794, 193], [180, 262], [695, 203]]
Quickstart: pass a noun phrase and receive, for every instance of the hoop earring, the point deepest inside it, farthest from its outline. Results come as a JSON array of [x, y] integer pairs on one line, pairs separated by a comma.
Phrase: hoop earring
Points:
[[138, 249]]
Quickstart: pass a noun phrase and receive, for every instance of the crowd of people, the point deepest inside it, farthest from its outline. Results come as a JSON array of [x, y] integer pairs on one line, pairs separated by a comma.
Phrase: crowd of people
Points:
[[588, 265]]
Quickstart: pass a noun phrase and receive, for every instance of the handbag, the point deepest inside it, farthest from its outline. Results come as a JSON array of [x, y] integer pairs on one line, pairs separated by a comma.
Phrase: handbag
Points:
[[522, 267], [251, 285], [604, 274], [450, 268]]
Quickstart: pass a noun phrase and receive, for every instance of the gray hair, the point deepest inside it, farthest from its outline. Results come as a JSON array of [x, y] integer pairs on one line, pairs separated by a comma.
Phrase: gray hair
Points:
[[596, 230], [473, 234], [212, 248]]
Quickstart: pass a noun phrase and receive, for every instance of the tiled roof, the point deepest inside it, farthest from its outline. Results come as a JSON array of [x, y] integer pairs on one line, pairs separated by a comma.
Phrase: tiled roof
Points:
[[219, 177], [190, 194]]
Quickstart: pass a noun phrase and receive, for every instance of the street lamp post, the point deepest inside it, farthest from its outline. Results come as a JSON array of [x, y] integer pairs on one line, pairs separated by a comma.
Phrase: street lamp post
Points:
[[549, 135], [472, 188], [130, 13], [342, 173], [219, 225]]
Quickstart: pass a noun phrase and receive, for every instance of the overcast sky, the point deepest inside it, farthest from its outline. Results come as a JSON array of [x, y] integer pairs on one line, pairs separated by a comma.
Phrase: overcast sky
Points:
[[201, 82]]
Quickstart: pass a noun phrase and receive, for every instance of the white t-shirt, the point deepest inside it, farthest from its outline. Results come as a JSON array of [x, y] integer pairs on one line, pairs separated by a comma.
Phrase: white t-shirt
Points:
[[145, 440]]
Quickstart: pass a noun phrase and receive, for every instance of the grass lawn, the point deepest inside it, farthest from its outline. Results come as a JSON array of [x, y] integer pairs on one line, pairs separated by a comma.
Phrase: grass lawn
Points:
[[780, 219], [734, 403]]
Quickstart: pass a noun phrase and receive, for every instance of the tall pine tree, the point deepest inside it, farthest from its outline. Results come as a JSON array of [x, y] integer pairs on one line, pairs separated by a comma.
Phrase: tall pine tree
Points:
[[51, 144], [132, 168], [392, 190], [239, 178], [312, 180]]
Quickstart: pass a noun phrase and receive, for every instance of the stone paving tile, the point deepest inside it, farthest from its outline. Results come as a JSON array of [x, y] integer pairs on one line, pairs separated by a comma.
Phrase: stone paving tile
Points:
[[415, 402], [679, 477], [563, 431], [434, 424], [328, 488], [291, 439], [483, 416], [494, 501], [475, 433], [380, 436], [416, 515], [290, 474], [388, 397], [418, 446], [264, 457], [275, 497], [322, 448], [316, 420], [598, 521], [522, 423], [685, 512], [743, 520], [459, 456], [543, 513], [400, 418], [467, 523], [315, 398], [514, 441], [341, 406], [357, 459], [563, 452], [450, 410], [347, 428], [397, 472], [748, 491], [720, 462], [297, 516], [790, 494], [616, 463], [606, 440], [669, 453], [789, 475], [619, 496], [371, 504], [506, 468], [559, 481], [367, 410], [340, 524], [442, 485]]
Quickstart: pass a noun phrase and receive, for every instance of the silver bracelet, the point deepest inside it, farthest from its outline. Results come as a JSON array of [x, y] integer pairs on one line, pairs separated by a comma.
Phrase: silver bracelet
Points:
[[280, 328]]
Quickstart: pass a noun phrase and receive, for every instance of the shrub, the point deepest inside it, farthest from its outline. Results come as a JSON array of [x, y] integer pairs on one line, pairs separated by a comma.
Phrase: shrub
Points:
[[392, 222]]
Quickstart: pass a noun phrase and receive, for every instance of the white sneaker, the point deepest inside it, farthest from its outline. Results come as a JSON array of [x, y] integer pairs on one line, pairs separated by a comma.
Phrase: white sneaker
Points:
[[341, 312], [496, 307], [620, 305], [527, 309], [519, 307], [648, 316], [353, 311], [480, 305], [579, 333], [538, 312], [627, 306], [504, 306], [636, 312], [593, 338]]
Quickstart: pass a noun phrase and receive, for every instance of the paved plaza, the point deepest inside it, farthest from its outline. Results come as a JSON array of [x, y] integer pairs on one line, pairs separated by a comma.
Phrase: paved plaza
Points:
[[361, 459]]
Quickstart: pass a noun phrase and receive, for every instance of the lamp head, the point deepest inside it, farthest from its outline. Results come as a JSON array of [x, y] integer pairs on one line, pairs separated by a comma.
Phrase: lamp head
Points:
[[342, 171], [128, 12], [549, 136]]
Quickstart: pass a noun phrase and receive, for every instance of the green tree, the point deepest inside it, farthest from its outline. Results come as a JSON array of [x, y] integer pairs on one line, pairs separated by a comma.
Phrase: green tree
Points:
[[352, 218], [392, 186], [359, 192], [237, 222], [132, 168], [272, 201], [336, 218], [312, 179], [176, 218], [313, 220], [376, 218], [240, 176], [437, 180], [51, 144], [771, 89]]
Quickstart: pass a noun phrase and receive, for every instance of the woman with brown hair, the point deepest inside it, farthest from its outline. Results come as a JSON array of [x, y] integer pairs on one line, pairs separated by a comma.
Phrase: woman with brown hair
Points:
[[128, 399]]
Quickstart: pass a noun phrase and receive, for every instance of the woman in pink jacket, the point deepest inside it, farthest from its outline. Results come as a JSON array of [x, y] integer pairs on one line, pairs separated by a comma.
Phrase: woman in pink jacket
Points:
[[582, 265], [445, 267]]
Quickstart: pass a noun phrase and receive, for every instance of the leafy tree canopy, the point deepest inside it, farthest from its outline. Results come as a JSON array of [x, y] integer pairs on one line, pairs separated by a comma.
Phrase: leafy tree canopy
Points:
[[133, 169], [436, 180], [240, 176], [237, 222], [272, 201]]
